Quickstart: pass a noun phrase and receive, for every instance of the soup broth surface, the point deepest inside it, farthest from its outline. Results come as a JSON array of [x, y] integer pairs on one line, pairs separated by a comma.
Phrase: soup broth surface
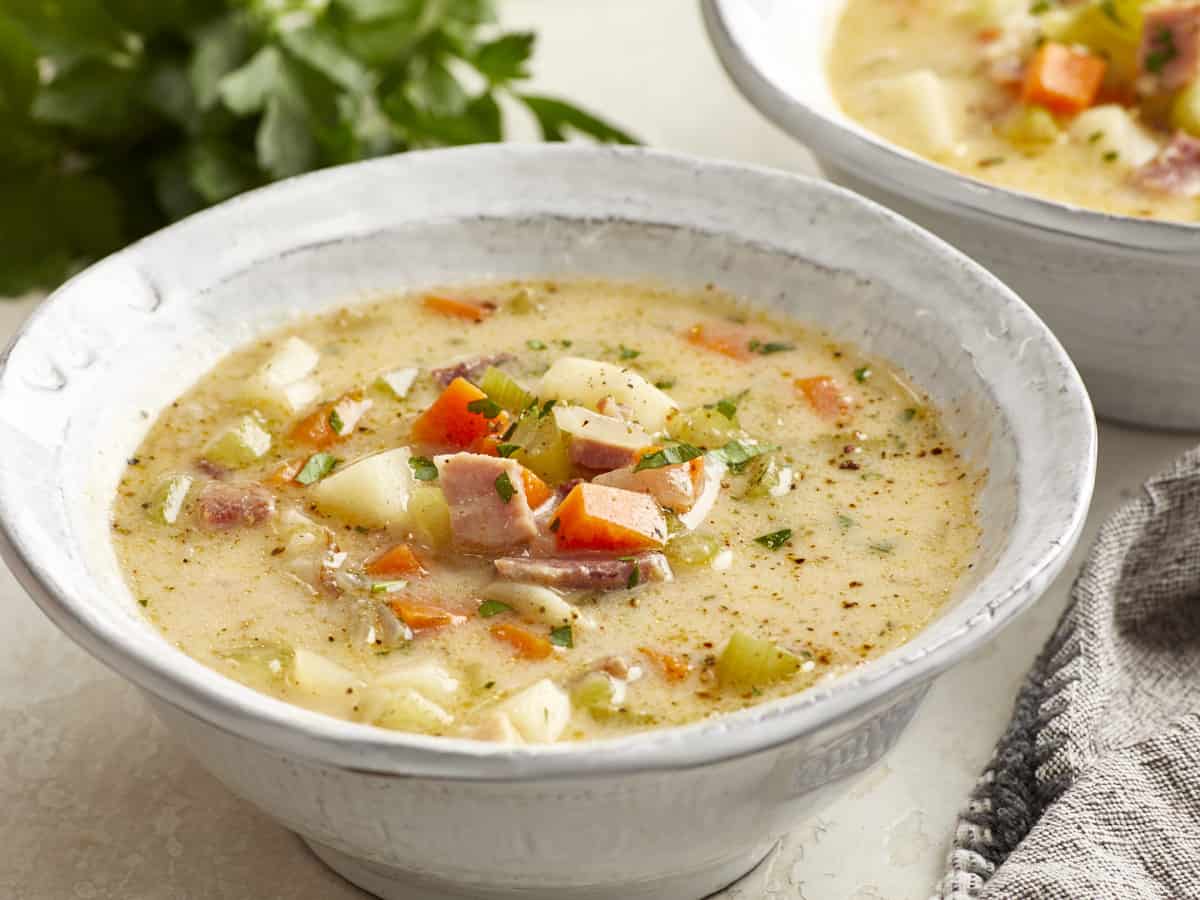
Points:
[[843, 514]]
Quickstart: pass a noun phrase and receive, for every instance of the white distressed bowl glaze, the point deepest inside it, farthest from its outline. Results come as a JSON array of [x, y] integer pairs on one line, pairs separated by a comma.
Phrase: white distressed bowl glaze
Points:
[[674, 813], [1123, 294]]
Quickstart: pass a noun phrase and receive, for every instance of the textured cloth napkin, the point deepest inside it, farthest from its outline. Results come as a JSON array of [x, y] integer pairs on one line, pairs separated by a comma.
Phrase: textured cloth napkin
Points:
[[1094, 789]]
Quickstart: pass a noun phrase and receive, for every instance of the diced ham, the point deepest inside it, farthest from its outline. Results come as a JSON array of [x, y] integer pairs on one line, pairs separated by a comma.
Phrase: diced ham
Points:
[[586, 573], [600, 442], [222, 505], [1169, 56], [1176, 169], [211, 469], [470, 369], [480, 516]]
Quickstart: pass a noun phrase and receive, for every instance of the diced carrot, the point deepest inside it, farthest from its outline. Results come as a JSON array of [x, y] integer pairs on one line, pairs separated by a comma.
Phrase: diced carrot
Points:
[[825, 396], [1062, 79], [987, 35], [448, 421], [729, 341], [525, 643], [396, 560], [674, 668], [459, 309], [284, 473], [317, 428], [422, 616], [598, 517], [537, 491]]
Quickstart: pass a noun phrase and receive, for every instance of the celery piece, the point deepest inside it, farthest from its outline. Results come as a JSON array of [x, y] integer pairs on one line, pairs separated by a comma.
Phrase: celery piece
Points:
[[243, 442], [504, 390], [768, 477], [1109, 28], [692, 549], [749, 662], [1185, 109], [544, 448], [168, 498], [398, 382], [704, 427], [1030, 126], [260, 663], [598, 693], [429, 515]]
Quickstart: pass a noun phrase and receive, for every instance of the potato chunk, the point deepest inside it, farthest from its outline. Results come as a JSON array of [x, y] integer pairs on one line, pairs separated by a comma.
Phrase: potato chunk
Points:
[[588, 382], [372, 491]]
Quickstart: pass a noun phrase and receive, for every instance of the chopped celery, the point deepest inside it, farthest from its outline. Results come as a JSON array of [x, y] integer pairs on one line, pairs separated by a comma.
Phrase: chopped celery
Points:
[[429, 515], [704, 427], [1185, 109], [398, 382], [544, 449], [598, 693], [1109, 28], [505, 390], [1030, 126], [167, 501], [271, 658], [749, 662], [243, 442], [692, 549], [522, 303], [768, 477]]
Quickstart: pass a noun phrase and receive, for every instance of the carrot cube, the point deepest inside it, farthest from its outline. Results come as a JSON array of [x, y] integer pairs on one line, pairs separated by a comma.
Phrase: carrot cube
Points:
[[1062, 79], [459, 309], [448, 422], [525, 644], [825, 396], [396, 560], [598, 517]]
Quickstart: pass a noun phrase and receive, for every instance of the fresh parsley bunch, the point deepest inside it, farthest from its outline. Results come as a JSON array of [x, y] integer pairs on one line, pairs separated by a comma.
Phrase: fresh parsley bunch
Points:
[[118, 116]]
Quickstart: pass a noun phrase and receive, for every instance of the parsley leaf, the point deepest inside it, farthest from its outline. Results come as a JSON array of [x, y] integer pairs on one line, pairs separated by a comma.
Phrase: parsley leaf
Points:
[[318, 466], [629, 352], [535, 344], [562, 636], [335, 421], [504, 487], [769, 347], [728, 406], [672, 455], [424, 468], [484, 406], [775, 539], [862, 374], [507, 450], [736, 454], [489, 608]]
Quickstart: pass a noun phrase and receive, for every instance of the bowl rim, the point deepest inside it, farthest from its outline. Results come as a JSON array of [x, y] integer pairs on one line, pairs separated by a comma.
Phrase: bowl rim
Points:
[[744, 50], [241, 711]]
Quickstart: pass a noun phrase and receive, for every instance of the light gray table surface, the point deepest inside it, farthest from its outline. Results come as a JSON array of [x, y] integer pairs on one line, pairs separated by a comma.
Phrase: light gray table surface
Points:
[[98, 801]]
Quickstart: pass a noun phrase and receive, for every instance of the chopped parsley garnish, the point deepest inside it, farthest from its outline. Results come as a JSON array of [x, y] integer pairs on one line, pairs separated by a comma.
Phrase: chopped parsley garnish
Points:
[[769, 347], [909, 414], [882, 547], [1111, 156], [845, 521], [424, 468], [668, 456], [507, 450], [564, 343], [988, 161], [554, 525], [862, 373], [546, 407], [1109, 8], [1095, 136], [318, 466], [388, 587], [1040, 7], [335, 421], [1162, 50], [512, 429], [484, 406], [736, 454], [728, 406], [535, 344], [562, 637], [635, 575], [775, 539], [629, 352], [489, 608], [504, 487], [665, 384]]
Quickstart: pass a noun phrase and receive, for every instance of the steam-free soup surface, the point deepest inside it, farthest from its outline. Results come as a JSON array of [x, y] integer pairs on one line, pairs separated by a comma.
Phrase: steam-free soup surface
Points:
[[545, 511]]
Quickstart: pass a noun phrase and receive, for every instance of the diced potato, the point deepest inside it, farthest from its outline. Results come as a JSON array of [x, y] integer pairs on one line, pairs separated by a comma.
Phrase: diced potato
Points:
[[402, 709], [168, 499], [581, 422], [282, 387], [1185, 109], [921, 108], [498, 728], [243, 442], [535, 603], [749, 662], [1114, 136], [372, 491], [326, 683], [399, 382], [540, 712], [588, 382], [428, 678], [429, 516], [1030, 126]]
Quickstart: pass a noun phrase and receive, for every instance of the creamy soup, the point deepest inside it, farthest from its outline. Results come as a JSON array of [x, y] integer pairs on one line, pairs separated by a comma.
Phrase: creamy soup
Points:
[[545, 511], [1093, 103]]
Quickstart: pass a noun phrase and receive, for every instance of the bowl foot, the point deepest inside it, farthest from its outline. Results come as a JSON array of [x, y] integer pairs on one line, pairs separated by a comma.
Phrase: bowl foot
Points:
[[391, 883]]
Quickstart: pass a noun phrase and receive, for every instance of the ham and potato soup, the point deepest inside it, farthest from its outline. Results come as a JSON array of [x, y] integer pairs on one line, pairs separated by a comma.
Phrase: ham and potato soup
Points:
[[544, 512], [1090, 102]]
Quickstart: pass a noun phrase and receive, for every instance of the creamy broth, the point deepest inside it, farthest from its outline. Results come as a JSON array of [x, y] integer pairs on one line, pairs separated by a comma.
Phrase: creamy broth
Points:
[[830, 550], [950, 80]]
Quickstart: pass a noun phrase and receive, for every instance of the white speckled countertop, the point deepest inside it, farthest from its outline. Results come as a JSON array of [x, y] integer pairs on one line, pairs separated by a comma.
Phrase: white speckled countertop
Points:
[[97, 801]]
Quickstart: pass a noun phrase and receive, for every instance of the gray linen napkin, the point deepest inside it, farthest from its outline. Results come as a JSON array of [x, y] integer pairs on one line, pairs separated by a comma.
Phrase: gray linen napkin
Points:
[[1094, 789]]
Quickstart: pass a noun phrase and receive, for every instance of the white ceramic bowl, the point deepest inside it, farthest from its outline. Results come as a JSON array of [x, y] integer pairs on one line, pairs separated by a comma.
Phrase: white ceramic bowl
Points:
[[674, 813], [1122, 293]]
